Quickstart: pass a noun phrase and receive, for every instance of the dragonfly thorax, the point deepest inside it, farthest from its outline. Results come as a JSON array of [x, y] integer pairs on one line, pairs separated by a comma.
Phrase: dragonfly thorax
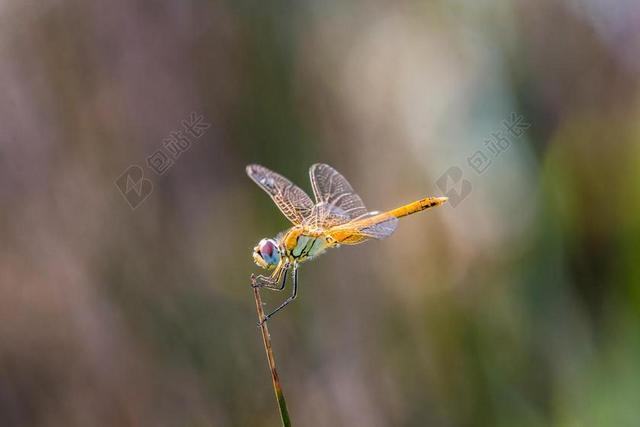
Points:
[[302, 244]]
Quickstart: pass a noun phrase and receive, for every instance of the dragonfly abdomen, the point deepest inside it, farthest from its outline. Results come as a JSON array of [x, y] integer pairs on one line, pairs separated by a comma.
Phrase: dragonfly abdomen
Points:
[[417, 206]]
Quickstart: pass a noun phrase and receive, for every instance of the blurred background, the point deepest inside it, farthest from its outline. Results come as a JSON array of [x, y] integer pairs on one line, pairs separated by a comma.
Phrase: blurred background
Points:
[[516, 304]]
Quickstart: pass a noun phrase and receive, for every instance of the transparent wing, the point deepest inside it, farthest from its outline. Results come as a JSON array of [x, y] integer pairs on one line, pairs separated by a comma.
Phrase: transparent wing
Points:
[[333, 190], [372, 225], [326, 216], [292, 201], [381, 228]]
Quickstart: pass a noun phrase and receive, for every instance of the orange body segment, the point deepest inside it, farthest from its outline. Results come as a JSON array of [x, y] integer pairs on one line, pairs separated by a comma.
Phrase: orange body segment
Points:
[[417, 206], [351, 233], [408, 209]]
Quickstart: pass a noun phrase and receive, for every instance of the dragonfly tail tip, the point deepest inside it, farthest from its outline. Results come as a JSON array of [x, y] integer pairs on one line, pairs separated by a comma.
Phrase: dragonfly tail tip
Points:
[[441, 200]]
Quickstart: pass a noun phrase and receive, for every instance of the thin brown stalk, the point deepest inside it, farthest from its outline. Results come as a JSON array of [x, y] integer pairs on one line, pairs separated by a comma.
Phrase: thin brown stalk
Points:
[[266, 340]]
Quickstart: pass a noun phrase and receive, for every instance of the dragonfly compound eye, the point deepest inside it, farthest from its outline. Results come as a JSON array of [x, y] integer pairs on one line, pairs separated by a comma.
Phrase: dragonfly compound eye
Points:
[[268, 253]]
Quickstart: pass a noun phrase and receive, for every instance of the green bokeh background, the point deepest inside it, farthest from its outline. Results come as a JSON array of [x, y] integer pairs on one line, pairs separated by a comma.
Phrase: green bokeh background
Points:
[[520, 306]]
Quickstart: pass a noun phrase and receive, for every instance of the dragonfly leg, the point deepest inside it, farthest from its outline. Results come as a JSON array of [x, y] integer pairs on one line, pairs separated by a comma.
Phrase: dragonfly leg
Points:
[[286, 302], [274, 286], [271, 282], [265, 282]]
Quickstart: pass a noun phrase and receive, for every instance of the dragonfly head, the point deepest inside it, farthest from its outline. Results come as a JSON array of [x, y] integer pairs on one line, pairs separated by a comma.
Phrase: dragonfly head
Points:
[[266, 254]]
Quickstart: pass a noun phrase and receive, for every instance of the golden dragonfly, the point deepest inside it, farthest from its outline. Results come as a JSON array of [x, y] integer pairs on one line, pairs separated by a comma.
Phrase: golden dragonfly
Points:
[[338, 217]]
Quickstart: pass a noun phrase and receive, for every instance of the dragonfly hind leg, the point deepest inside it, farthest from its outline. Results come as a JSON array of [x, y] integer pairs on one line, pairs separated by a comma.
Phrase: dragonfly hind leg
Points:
[[286, 302]]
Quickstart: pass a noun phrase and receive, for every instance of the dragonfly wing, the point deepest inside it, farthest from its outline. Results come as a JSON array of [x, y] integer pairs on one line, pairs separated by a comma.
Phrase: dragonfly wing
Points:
[[380, 230], [294, 203], [333, 189], [326, 216], [372, 225]]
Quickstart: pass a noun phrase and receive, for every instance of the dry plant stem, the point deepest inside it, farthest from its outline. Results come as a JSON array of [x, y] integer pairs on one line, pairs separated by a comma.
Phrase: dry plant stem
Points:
[[266, 339]]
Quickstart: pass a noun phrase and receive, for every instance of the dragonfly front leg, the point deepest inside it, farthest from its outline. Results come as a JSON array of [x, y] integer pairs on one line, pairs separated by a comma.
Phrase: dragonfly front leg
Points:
[[293, 296], [271, 282], [273, 286]]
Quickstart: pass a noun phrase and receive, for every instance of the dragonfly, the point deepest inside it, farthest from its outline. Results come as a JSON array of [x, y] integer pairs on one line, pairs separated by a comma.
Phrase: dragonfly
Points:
[[336, 217]]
